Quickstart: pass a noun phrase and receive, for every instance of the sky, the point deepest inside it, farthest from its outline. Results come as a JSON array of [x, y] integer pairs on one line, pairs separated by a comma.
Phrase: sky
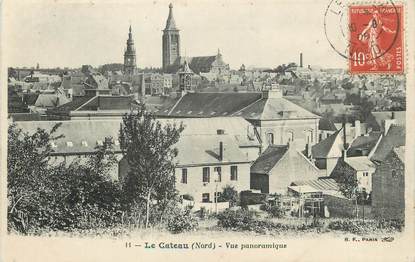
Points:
[[264, 33]]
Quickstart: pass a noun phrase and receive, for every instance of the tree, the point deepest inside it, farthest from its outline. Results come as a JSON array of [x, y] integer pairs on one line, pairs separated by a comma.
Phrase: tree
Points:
[[27, 169], [58, 197], [148, 147], [229, 194]]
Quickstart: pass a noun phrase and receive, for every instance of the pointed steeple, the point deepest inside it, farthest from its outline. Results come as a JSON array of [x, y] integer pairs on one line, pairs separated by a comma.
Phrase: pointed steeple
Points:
[[185, 68], [170, 24]]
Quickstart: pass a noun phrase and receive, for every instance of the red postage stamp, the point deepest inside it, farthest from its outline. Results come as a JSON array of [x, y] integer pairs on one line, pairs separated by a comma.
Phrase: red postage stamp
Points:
[[376, 39]]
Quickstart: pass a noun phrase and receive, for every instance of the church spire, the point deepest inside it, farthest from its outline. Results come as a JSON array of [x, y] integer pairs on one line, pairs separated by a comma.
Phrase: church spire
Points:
[[170, 24]]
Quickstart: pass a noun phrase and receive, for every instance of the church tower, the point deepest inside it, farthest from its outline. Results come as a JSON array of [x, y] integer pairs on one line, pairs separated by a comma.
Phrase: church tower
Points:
[[130, 65], [171, 41]]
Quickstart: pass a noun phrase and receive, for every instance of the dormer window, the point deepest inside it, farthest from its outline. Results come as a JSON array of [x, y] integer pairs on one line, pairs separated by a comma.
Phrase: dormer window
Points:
[[100, 143], [69, 144], [53, 144], [84, 143]]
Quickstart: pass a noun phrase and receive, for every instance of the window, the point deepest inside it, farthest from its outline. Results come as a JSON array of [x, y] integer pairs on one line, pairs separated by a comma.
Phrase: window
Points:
[[365, 174], [217, 196], [206, 175], [234, 173], [394, 174], [184, 176], [270, 138], [205, 198], [218, 174]]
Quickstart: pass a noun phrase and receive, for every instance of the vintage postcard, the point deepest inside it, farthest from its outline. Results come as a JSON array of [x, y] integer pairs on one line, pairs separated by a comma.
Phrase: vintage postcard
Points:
[[207, 130]]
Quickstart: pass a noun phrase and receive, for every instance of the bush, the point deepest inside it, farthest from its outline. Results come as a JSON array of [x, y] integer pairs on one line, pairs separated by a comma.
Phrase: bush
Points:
[[182, 221], [275, 211], [229, 194], [366, 227], [250, 198], [236, 219]]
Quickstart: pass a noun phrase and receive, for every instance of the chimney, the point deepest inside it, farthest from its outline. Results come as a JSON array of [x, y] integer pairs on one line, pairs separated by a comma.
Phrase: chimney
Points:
[[357, 129], [344, 134], [301, 59], [221, 151], [308, 150], [344, 155], [393, 114], [387, 125]]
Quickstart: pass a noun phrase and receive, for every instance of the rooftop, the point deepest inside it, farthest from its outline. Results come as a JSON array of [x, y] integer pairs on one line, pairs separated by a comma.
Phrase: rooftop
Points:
[[268, 159], [394, 138]]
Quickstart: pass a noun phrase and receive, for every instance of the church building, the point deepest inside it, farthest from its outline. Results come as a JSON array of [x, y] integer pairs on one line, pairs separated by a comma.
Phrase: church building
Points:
[[208, 66], [130, 63]]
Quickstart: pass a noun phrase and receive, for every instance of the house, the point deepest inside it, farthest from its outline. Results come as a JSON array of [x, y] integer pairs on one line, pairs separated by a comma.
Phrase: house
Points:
[[212, 153], [393, 136], [46, 101], [207, 164], [206, 147], [80, 139], [377, 121], [326, 153], [93, 107], [275, 119], [364, 145], [326, 128], [360, 167], [388, 195], [278, 166]]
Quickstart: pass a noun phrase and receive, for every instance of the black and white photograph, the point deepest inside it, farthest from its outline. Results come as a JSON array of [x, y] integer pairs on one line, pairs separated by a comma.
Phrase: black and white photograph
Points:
[[240, 130]]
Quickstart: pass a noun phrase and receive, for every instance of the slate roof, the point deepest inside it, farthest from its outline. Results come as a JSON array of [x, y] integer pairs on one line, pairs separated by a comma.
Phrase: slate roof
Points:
[[71, 106], [394, 138], [268, 159], [209, 104], [202, 150], [326, 124], [83, 134], [274, 109], [321, 149], [376, 119], [363, 143], [170, 23]]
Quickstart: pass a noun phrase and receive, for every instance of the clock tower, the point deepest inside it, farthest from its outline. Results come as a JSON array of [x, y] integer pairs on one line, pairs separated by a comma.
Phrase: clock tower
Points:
[[130, 65], [171, 41]]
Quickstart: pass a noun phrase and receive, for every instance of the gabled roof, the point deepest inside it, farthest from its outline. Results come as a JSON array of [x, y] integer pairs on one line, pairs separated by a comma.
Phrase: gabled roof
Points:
[[322, 149], [376, 120], [51, 100], [400, 152], [209, 104], [326, 124], [268, 159], [363, 143], [275, 109], [71, 106], [94, 103], [394, 138], [201, 63]]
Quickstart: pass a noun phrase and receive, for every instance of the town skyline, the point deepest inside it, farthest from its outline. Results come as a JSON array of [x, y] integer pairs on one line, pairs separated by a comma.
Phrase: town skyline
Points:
[[87, 43]]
